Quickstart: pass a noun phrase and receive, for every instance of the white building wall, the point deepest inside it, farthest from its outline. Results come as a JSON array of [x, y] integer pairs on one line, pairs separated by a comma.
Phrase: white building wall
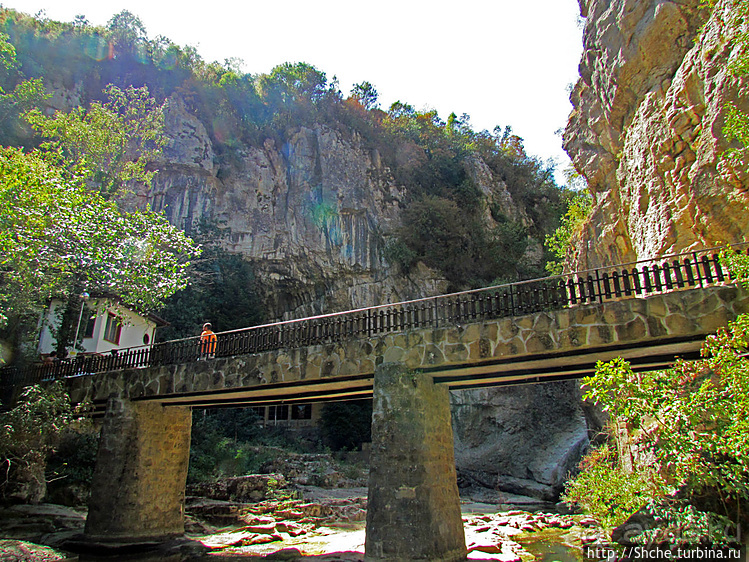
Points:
[[134, 327]]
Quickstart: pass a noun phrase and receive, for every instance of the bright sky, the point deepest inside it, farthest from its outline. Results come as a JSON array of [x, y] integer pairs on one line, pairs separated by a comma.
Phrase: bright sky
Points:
[[503, 62]]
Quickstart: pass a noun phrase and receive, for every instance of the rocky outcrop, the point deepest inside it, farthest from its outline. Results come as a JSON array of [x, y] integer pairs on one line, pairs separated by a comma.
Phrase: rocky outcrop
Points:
[[646, 130], [525, 440], [312, 214]]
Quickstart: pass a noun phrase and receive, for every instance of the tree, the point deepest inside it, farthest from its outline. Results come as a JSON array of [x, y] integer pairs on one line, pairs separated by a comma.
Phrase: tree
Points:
[[559, 242], [59, 237], [222, 290], [28, 433], [108, 145], [366, 95], [128, 34], [25, 94], [737, 121], [346, 425], [55, 235]]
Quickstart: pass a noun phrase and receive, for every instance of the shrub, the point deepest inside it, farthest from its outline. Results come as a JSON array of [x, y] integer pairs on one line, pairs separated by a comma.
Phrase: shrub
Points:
[[346, 425]]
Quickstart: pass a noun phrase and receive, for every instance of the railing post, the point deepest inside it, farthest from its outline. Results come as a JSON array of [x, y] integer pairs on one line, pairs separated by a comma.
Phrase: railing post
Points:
[[697, 266], [678, 275], [598, 286], [706, 267], [512, 300], [718, 268]]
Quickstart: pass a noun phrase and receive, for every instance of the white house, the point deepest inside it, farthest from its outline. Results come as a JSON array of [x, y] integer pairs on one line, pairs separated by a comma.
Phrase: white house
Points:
[[105, 325]]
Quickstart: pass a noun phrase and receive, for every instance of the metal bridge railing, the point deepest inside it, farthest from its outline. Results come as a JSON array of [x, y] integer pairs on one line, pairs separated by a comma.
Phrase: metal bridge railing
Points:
[[633, 280]]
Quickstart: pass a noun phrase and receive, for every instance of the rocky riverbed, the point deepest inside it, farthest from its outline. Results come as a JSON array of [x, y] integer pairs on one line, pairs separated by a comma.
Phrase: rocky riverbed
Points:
[[314, 523]]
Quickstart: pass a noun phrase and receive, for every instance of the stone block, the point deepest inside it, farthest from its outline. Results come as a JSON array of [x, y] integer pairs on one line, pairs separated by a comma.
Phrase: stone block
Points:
[[618, 313], [433, 355], [587, 315], [542, 323], [678, 324], [525, 322], [538, 343], [507, 329], [632, 331], [573, 337], [394, 354], [456, 353], [600, 335], [657, 306], [503, 349], [710, 323], [472, 333], [491, 331]]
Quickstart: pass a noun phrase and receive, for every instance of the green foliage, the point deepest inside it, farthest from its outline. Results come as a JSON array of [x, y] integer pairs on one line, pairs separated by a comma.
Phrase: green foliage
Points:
[[559, 242], [231, 442], [29, 432], [222, 290], [56, 235], [689, 425], [74, 459], [346, 425], [737, 122], [366, 94], [439, 233], [398, 253], [108, 145], [605, 491]]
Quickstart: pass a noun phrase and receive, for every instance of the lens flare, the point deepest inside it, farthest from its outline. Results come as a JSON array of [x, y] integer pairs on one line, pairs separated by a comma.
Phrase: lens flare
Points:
[[99, 48]]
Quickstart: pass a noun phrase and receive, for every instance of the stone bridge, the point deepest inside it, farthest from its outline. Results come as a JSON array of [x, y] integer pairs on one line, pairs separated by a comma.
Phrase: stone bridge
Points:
[[407, 356]]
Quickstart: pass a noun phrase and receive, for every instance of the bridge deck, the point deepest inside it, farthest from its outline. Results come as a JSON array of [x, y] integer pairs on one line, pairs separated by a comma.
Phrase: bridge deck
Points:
[[542, 330]]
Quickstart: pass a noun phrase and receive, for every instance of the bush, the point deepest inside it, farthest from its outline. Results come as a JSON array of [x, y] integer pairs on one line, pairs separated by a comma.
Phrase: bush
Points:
[[687, 429], [30, 432], [606, 491], [346, 425]]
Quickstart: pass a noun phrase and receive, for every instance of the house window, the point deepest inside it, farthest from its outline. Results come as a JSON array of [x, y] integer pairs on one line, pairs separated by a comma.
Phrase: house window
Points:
[[113, 329], [301, 412], [88, 329], [278, 413]]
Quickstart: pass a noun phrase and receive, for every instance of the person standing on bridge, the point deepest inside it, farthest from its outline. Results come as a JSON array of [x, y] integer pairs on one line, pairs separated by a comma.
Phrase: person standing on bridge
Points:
[[208, 342]]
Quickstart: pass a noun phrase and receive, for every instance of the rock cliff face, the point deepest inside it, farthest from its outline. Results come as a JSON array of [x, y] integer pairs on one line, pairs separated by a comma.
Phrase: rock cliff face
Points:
[[646, 130], [310, 214], [523, 440]]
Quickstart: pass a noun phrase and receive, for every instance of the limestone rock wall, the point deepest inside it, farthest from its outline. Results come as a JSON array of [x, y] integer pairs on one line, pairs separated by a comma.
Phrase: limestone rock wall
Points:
[[646, 130], [524, 440], [312, 213]]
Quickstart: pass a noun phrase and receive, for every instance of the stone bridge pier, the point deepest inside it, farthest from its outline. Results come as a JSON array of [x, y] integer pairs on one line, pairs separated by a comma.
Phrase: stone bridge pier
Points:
[[138, 488], [413, 511]]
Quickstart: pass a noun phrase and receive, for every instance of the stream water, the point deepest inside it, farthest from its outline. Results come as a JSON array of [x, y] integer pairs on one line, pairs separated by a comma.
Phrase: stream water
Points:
[[546, 550]]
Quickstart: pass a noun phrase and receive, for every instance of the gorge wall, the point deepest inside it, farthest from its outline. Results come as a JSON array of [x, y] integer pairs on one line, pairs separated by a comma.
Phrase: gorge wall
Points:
[[312, 213], [646, 130]]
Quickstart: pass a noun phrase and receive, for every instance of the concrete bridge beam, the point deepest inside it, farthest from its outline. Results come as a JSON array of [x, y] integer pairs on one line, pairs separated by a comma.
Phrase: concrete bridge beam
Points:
[[413, 511], [138, 488]]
